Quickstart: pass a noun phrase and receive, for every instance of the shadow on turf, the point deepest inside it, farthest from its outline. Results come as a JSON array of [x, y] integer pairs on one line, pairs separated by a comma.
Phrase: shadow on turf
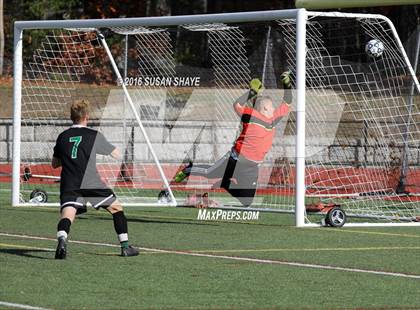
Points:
[[206, 223], [159, 221], [27, 253]]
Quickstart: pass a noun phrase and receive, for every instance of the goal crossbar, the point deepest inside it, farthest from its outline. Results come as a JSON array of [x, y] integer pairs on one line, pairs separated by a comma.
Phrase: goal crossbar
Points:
[[161, 20]]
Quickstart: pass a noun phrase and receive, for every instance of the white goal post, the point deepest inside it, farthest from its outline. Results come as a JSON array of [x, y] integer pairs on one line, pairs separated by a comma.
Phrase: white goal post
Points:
[[346, 144]]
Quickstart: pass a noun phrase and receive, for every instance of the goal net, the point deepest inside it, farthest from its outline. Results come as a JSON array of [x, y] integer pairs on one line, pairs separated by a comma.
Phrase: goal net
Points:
[[163, 94]]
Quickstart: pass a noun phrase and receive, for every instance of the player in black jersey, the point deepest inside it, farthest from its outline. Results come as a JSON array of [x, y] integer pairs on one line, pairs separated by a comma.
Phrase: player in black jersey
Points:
[[75, 151]]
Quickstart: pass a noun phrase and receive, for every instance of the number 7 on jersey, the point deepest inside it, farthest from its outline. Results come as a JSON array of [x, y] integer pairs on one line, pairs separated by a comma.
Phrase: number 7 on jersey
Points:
[[76, 140]]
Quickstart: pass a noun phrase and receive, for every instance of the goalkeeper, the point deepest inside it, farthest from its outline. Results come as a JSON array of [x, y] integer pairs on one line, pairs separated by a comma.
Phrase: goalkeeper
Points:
[[238, 169]]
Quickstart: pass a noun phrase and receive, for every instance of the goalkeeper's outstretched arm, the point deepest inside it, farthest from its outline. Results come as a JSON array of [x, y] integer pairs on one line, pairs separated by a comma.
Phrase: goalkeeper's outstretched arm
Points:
[[285, 78], [284, 108], [255, 87]]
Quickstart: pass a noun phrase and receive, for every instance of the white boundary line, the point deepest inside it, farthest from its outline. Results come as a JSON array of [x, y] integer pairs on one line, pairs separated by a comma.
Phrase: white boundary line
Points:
[[20, 306], [236, 258], [277, 262]]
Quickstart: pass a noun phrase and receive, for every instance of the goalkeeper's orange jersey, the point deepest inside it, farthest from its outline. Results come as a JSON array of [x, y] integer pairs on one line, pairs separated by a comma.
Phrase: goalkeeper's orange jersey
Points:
[[258, 131]]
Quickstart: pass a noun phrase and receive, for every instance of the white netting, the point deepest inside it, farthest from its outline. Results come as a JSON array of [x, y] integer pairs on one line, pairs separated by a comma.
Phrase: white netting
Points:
[[361, 127], [362, 105], [51, 80]]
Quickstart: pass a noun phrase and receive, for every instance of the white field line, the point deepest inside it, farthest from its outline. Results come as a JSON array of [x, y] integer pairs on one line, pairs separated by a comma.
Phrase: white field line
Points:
[[217, 251], [20, 306], [236, 258]]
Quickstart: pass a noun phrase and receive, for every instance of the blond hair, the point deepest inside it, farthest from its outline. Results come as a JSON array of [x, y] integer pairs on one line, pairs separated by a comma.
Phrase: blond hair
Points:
[[79, 110]]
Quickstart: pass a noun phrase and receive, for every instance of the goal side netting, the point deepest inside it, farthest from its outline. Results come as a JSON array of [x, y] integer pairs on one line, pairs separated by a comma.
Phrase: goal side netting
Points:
[[163, 95]]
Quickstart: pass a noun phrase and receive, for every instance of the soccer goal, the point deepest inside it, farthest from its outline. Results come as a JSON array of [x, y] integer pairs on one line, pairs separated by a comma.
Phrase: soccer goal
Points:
[[162, 89]]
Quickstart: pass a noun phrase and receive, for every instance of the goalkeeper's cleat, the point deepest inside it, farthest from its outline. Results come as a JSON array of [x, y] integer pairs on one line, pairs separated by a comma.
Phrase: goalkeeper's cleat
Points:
[[286, 80], [129, 251], [180, 176], [61, 251], [183, 173], [255, 87]]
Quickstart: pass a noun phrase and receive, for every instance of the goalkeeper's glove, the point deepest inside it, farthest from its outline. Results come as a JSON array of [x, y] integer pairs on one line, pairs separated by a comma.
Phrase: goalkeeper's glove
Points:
[[255, 86], [286, 80]]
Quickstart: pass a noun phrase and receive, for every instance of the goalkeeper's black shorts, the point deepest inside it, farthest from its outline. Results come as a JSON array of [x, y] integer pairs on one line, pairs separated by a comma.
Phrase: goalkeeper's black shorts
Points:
[[245, 173], [230, 167], [79, 199]]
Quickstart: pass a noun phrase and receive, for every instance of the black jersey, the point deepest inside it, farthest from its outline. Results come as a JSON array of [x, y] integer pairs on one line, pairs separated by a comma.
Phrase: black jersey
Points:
[[76, 148]]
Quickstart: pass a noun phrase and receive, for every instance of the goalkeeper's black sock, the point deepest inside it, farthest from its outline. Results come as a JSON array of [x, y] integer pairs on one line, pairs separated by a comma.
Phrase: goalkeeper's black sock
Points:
[[120, 225], [63, 228]]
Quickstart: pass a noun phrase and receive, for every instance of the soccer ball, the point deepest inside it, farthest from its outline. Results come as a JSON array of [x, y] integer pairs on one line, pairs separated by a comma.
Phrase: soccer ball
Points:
[[374, 48]]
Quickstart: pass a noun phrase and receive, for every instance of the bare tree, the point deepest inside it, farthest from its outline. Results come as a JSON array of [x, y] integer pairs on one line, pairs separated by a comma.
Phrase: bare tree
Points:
[[1, 38], [158, 8]]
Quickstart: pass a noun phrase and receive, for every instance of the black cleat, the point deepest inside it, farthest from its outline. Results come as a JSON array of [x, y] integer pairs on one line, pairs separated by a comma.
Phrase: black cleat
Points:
[[130, 251], [61, 251]]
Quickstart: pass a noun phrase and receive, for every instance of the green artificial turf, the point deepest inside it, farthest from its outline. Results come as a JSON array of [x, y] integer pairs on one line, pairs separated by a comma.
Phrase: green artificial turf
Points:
[[95, 277]]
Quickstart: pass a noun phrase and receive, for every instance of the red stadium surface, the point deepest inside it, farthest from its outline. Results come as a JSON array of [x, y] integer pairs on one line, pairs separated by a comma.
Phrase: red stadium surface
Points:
[[278, 180]]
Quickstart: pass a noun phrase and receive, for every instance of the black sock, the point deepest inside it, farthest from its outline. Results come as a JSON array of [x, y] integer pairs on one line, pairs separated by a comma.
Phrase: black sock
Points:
[[63, 228], [120, 225]]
